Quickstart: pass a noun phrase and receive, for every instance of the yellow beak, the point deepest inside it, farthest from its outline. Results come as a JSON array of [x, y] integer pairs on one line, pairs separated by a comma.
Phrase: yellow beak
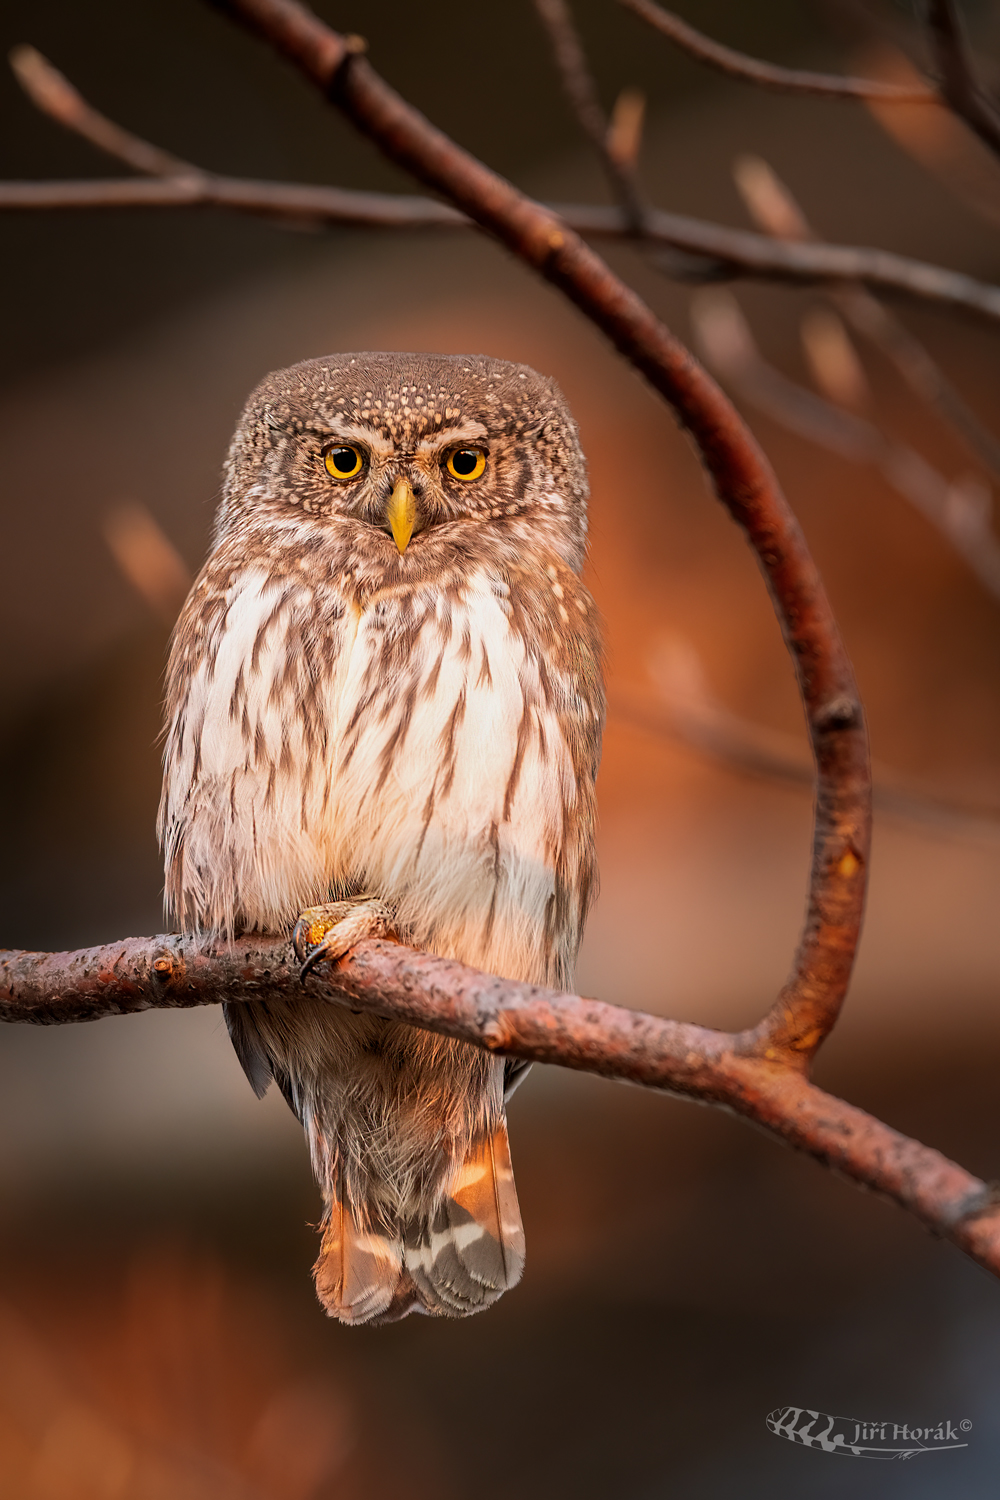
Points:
[[402, 514]]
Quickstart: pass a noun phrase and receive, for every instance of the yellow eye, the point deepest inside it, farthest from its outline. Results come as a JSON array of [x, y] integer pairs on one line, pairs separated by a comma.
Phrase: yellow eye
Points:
[[344, 461], [466, 463]]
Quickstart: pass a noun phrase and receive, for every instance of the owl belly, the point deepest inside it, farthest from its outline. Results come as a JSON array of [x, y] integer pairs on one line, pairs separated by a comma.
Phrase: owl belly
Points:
[[408, 750], [450, 781]]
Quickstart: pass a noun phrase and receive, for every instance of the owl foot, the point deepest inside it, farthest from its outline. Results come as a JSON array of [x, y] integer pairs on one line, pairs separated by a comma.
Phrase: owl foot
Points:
[[325, 933]]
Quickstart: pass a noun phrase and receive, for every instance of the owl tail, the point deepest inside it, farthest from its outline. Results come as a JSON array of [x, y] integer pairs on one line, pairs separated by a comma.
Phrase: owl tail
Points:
[[452, 1262], [471, 1249]]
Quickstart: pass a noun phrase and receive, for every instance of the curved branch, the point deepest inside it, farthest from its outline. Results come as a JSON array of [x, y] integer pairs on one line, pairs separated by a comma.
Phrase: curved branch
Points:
[[526, 1021], [769, 75], [809, 1004]]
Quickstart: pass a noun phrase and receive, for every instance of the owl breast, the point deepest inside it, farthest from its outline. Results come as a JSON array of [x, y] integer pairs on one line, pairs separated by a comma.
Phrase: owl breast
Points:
[[411, 749]]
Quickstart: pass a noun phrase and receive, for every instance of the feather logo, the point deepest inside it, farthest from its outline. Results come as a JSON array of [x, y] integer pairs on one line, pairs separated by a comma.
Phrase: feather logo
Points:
[[885, 1440]]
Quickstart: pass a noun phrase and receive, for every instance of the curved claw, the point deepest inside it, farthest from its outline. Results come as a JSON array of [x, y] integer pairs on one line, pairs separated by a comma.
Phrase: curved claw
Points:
[[312, 959], [325, 933]]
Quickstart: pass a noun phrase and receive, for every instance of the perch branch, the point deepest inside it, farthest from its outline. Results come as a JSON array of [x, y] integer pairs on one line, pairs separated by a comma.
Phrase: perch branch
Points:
[[733, 253], [526, 1021], [768, 75], [810, 1002], [959, 85]]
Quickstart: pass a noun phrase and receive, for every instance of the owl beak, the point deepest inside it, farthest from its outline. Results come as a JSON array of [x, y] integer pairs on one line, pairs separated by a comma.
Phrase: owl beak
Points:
[[401, 514]]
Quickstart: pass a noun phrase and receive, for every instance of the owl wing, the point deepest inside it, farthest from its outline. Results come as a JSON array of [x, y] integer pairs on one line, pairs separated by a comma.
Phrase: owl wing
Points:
[[552, 609], [254, 1058], [254, 684]]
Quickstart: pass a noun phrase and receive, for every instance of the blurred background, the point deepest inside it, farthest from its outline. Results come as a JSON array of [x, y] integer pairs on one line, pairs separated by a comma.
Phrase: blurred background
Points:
[[686, 1275]]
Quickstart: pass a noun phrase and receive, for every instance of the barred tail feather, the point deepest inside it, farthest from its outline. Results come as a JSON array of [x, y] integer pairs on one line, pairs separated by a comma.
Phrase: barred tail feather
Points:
[[471, 1249], [359, 1272]]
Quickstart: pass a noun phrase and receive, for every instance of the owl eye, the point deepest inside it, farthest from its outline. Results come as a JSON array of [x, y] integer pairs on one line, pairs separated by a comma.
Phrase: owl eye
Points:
[[344, 461], [466, 463]]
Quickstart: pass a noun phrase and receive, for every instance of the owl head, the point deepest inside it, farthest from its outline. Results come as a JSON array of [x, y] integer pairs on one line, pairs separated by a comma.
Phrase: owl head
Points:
[[412, 455]]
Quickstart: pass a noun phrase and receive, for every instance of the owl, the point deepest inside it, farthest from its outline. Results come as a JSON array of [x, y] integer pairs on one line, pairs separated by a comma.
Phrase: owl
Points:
[[385, 705]]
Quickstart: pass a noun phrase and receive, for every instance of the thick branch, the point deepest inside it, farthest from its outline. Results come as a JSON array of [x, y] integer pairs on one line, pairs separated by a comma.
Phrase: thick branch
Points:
[[526, 1021], [768, 75], [959, 85]]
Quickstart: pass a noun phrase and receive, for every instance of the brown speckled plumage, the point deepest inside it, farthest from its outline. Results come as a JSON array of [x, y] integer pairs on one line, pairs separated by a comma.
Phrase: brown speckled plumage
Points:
[[414, 733]]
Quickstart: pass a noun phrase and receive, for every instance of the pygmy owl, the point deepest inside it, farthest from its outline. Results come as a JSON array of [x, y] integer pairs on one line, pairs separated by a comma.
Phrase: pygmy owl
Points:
[[385, 707]]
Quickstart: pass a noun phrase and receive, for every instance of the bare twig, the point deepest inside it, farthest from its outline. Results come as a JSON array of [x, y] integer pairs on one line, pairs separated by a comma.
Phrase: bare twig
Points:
[[960, 510], [737, 253], [767, 75], [959, 85], [733, 253], [730, 252], [526, 1021], [55, 96], [773, 207], [682, 706], [581, 90]]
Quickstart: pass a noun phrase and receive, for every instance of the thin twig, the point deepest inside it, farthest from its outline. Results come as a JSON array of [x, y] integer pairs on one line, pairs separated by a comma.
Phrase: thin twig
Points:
[[519, 1020], [581, 89], [768, 75], [730, 253], [959, 510], [56, 97], [737, 253], [810, 1002], [681, 706], [959, 85], [776, 211]]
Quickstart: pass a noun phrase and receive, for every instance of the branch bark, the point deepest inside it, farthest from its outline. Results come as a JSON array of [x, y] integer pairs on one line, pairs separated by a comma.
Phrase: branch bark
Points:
[[735, 253], [526, 1021]]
